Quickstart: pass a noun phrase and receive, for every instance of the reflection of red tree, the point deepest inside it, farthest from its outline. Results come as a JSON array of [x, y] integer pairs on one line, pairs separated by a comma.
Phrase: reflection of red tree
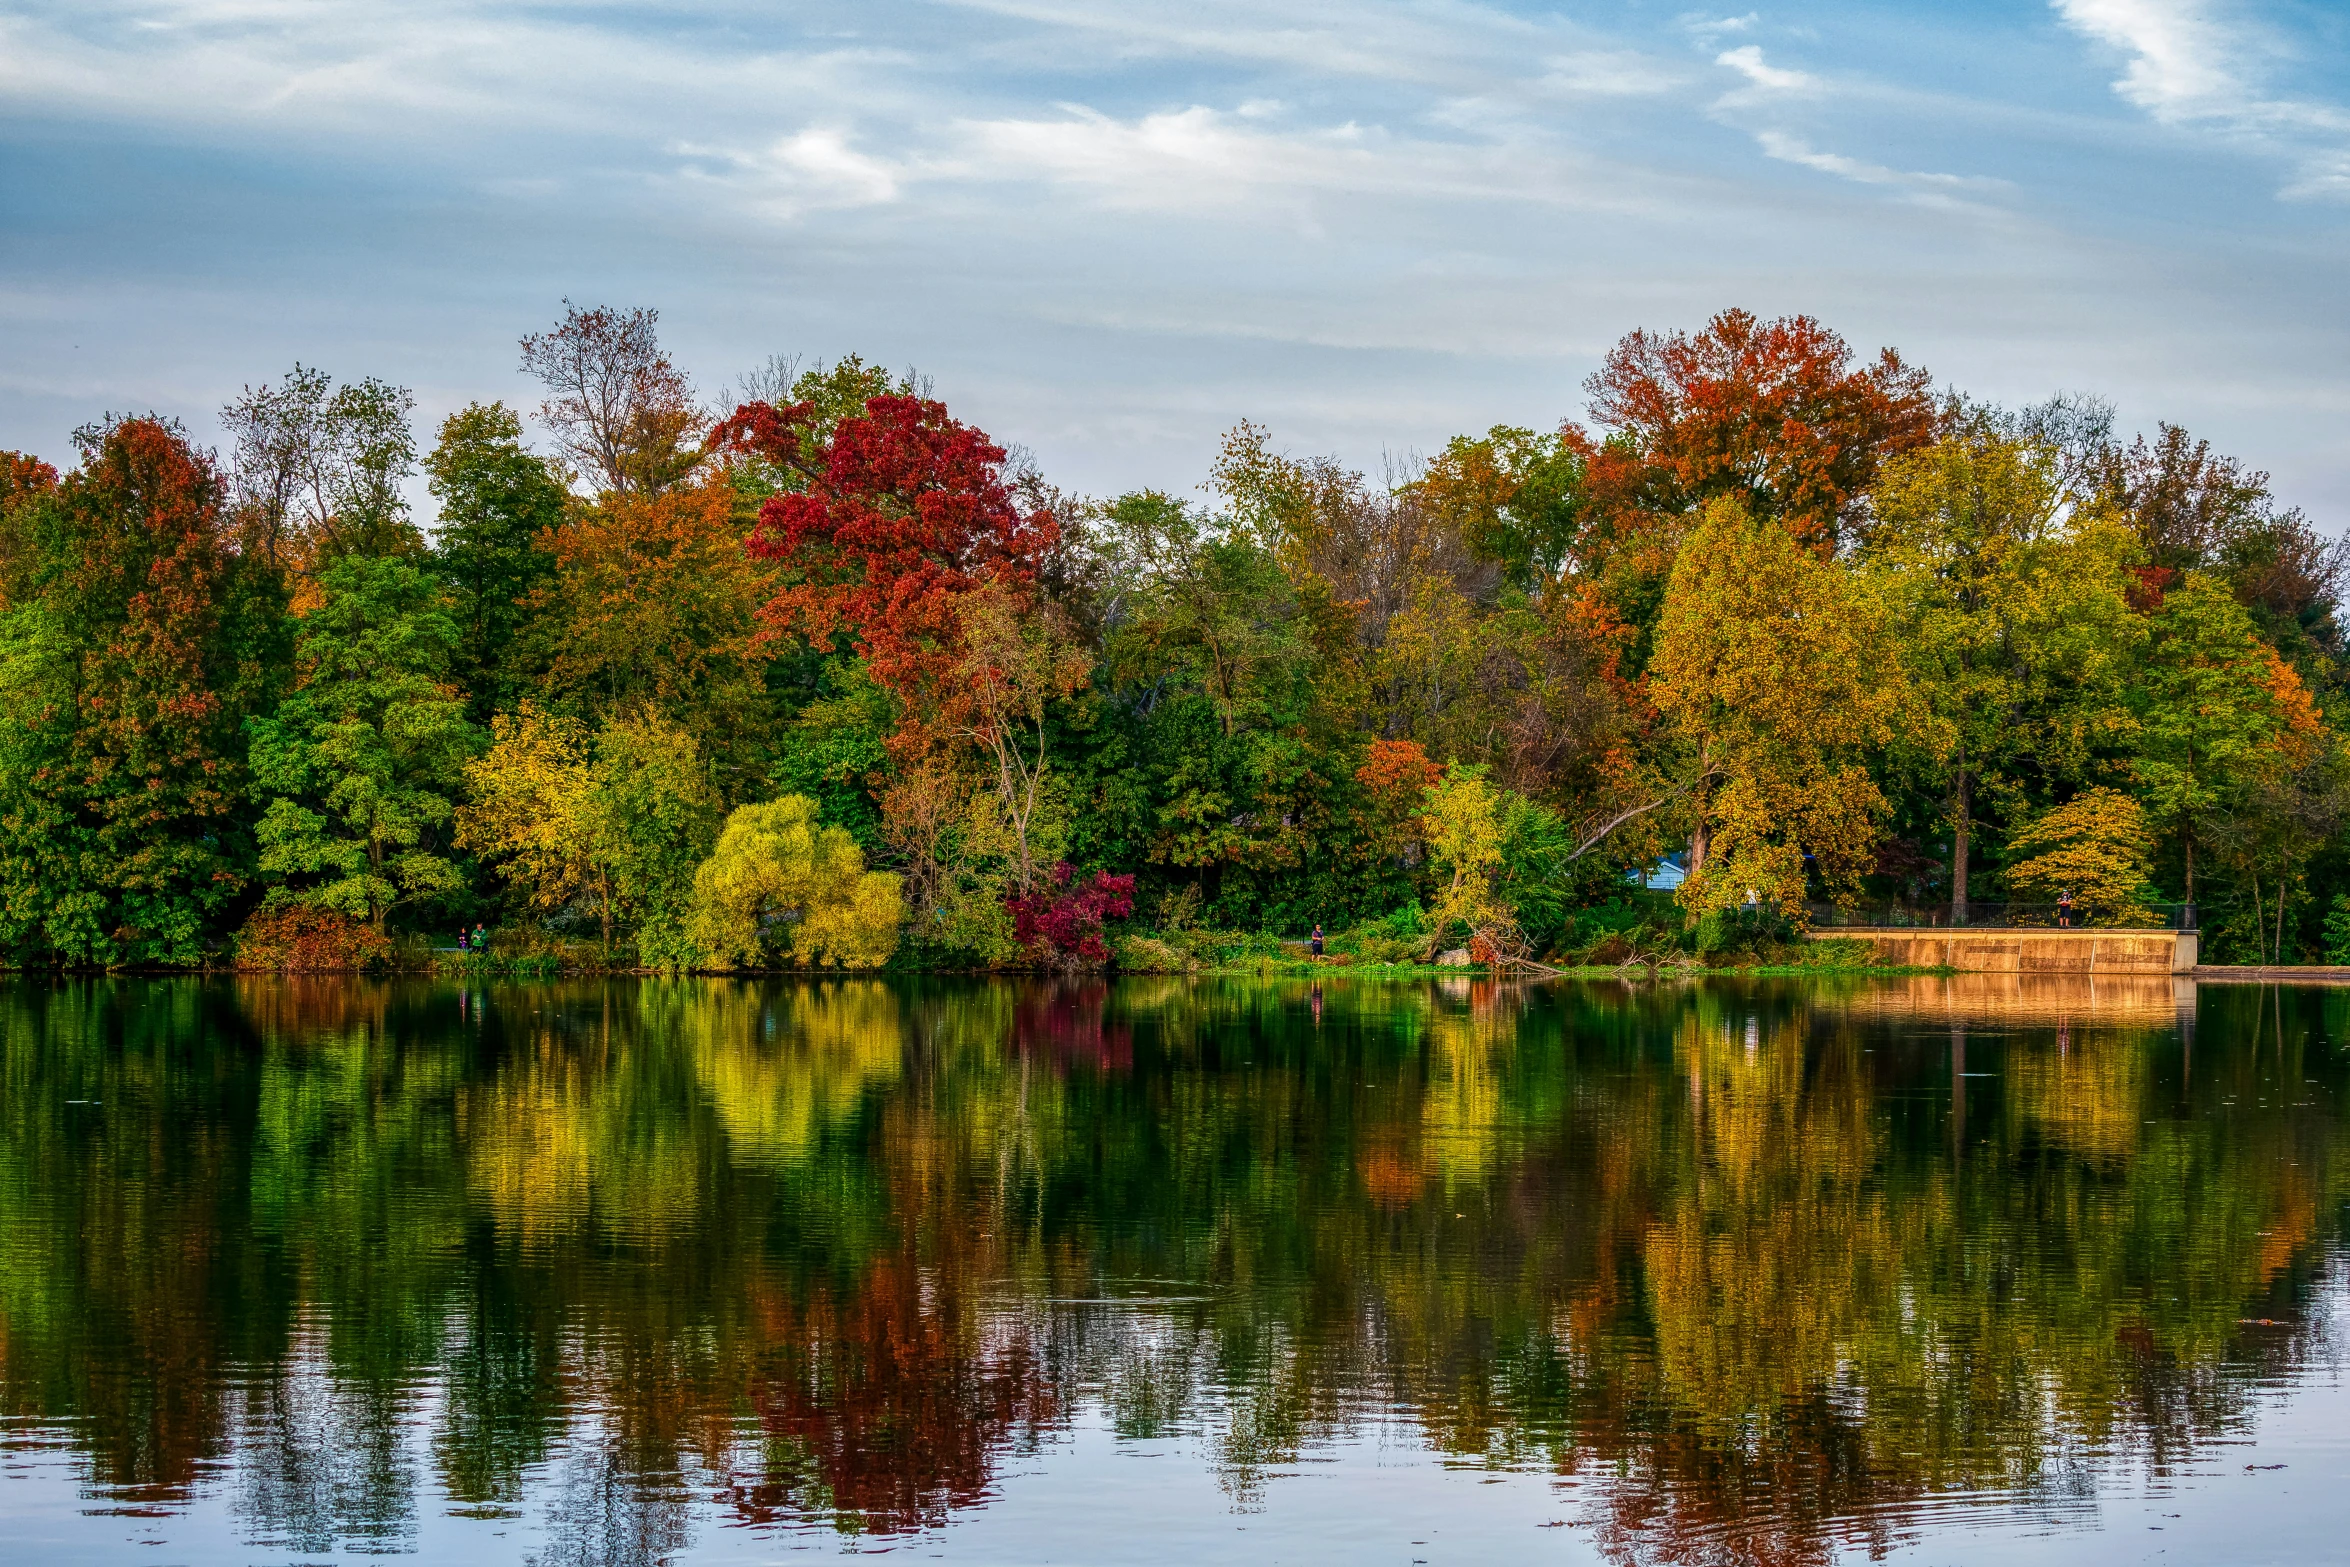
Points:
[[892, 1403], [1066, 1023], [1799, 1494]]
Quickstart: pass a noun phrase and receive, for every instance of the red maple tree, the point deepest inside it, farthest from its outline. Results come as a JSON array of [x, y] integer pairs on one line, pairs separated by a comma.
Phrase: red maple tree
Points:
[[893, 523]]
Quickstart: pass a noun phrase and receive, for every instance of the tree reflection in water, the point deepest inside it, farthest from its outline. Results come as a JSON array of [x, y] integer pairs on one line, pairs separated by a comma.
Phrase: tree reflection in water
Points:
[[1734, 1259]]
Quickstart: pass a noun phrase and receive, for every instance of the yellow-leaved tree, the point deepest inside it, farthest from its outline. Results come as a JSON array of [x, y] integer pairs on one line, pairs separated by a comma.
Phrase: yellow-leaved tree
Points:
[[532, 806], [780, 880], [1771, 672], [2098, 847], [1461, 813]]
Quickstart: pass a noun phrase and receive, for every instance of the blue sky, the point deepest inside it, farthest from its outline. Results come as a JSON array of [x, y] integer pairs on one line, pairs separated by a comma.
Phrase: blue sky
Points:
[[1109, 229]]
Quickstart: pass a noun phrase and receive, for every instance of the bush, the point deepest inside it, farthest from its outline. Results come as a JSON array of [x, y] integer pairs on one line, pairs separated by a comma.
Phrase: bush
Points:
[[2337, 930], [302, 938], [1064, 922], [1140, 954]]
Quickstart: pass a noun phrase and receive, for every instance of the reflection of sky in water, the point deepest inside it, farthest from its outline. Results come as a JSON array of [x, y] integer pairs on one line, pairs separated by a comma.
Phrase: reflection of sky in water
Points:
[[723, 1272]]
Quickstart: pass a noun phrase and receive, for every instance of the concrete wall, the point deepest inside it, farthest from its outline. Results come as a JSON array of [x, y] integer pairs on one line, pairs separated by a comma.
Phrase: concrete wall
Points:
[[2031, 951]]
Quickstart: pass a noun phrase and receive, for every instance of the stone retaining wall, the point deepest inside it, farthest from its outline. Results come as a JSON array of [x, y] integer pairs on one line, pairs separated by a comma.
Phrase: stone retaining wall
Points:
[[2029, 951]]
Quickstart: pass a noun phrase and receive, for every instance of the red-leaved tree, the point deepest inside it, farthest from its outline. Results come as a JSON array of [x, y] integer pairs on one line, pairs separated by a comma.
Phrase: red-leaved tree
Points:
[[897, 520], [1063, 922]]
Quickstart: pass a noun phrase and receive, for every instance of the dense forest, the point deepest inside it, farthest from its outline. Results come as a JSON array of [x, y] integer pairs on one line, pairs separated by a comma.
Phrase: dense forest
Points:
[[814, 673]]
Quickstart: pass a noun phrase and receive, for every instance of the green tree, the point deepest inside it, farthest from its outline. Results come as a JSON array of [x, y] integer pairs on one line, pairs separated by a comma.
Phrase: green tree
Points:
[[656, 814], [2214, 706], [2007, 606], [496, 501], [361, 764]]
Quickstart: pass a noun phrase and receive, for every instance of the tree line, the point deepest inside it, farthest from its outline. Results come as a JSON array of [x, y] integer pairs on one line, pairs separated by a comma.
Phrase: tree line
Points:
[[814, 673]]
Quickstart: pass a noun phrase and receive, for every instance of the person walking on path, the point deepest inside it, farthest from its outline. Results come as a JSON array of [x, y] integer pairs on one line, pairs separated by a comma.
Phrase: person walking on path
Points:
[[1317, 941]]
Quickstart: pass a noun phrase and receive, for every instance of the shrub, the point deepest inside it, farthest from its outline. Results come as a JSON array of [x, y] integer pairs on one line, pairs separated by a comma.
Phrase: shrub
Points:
[[2337, 930], [1140, 954], [1064, 922], [302, 938]]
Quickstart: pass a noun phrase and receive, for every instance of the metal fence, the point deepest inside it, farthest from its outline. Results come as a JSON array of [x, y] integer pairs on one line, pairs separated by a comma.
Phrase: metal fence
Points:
[[1997, 916]]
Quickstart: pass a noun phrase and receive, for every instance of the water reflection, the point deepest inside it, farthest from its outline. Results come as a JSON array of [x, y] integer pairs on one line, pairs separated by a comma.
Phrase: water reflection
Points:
[[1761, 1273]]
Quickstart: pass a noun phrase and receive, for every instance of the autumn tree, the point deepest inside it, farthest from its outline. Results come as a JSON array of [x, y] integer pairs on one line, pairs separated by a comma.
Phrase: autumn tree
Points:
[[361, 763], [1770, 669], [1773, 414], [2097, 846], [904, 513], [1462, 818], [498, 507], [134, 644], [530, 809], [612, 820], [1016, 666], [781, 881], [1515, 497], [652, 601], [2194, 509], [618, 409], [320, 469]]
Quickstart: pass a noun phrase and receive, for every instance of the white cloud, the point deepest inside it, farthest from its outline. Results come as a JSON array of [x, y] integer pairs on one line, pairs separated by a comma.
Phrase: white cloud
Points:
[[1748, 62], [1795, 150], [813, 169], [1199, 157], [2187, 66]]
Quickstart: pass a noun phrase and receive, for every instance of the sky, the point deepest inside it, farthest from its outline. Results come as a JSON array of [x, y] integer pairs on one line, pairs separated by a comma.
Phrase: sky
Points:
[[1110, 229]]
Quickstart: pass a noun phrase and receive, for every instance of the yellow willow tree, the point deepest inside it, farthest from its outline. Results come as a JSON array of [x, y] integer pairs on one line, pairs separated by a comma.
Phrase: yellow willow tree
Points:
[[1771, 673]]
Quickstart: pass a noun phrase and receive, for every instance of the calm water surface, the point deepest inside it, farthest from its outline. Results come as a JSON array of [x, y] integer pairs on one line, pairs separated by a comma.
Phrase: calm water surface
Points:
[[1165, 1271]]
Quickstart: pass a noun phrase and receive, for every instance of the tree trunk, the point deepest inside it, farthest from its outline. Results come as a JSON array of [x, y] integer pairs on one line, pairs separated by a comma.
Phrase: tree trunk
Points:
[[2259, 918], [2281, 885], [2189, 837], [1961, 814]]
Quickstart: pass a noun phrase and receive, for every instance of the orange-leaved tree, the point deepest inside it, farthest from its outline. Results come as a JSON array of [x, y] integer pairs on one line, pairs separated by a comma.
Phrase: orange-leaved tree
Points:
[[1772, 413]]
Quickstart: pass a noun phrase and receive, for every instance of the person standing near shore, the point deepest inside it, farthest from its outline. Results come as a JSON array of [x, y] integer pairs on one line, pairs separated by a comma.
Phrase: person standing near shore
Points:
[[1317, 941]]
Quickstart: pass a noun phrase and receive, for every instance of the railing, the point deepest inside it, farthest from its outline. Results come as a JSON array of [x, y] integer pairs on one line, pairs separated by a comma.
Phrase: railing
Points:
[[1997, 916]]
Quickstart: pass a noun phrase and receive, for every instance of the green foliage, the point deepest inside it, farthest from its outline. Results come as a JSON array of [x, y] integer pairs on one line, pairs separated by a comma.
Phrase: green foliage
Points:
[[657, 815], [2337, 929], [835, 750], [781, 881], [360, 766], [496, 501]]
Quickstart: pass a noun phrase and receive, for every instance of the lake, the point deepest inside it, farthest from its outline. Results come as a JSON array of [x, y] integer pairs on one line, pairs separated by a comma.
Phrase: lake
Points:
[[1164, 1270]]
